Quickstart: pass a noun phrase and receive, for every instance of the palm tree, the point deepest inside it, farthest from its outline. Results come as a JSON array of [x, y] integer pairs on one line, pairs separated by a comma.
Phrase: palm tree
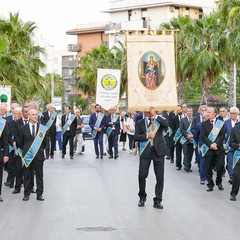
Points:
[[19, 60], [102, 57], [229, 17]]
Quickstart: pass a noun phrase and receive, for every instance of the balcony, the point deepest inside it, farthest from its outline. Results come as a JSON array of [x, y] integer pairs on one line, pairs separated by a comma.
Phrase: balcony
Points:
[[74, 47]]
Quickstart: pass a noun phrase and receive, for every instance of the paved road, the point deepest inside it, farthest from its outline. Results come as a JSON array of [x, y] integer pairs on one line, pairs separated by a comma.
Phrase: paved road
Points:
[[94, 199]]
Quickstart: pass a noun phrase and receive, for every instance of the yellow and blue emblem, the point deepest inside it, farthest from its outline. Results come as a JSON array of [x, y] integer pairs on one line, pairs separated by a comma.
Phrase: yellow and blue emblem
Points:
[[109, 82]]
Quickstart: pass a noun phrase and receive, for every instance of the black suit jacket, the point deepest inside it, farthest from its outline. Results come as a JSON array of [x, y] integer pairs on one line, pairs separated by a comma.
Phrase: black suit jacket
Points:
[[4, 141], [26, 140], [175, 123], [235, 137], [12, 132], [44, 119], [159, 142], [206, 129], [72, 127]]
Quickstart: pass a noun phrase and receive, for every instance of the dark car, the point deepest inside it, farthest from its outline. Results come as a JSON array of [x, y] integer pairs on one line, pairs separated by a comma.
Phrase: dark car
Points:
[[86, 130]]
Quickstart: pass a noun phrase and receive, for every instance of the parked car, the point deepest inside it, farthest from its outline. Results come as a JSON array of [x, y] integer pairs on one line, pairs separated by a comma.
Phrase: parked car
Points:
[[86, 130]]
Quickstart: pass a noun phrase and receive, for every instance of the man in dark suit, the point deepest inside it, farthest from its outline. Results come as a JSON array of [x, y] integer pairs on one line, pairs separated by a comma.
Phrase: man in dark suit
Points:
[[214, 157], [27, 136], [235, 145], [113, 123], [70, 132], [176, 120], [149, 132], [197, 119], [187, 139], [229, 124], [3, 150], [98, 137], [52, 132]]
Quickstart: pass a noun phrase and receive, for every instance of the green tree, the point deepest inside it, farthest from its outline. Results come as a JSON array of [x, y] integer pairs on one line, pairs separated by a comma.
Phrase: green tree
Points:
[[102, 57], [44, 94], [19, 59]]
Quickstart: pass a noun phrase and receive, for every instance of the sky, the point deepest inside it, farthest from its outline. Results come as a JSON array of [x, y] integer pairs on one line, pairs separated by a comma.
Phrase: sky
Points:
[[53, 18]]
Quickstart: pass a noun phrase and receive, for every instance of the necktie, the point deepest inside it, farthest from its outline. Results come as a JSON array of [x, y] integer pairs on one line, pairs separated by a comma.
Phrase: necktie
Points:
[[25, 121], [67, 118], [212, 122], [149, 122], [33, 131]]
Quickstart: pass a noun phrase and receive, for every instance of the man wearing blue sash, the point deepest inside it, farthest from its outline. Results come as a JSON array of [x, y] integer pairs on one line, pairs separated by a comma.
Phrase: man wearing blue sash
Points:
[[187, 139], [177, 137], [97, 122], [149, 134], [69, 126], [213, 134], [32, 142], [229, 124], [48, 119], [3, 150], [235, 145], [113, 130]]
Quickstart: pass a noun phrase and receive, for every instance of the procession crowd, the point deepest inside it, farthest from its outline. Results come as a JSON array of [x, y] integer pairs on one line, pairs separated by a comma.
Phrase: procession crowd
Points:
[[29, 136]]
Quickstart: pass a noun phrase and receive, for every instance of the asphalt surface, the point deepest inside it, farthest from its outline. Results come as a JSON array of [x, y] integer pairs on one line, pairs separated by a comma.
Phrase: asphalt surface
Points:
[[88, 198]]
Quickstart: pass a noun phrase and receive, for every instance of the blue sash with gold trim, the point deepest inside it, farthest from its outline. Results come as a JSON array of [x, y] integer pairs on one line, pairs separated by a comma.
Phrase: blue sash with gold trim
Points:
[[51, 120], [32, 151], [212, 135], [109, 129], [2, 125], [183, 139], [169, 132], [68, 123], [97, 124], [228, 148], [236, 157], [177, 135], [143, 144]]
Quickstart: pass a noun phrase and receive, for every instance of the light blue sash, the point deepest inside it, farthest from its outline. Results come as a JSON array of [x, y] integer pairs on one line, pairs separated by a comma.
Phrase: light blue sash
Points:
[[51, 120], [183, 139], [97, 124], [143, 144], [212, 136], [236, 157], [68, 123], [228, 148], [177, 135], [32, 151], [2, 125], [169, 132], [109, 129]]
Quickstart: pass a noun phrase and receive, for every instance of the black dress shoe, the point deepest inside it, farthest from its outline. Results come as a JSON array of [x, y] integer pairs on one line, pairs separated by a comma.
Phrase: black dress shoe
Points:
[[220, 187], [97, 157], [52, 156], [33, 191], [233, 198], [47, 157], [116, 156], [15, 191], [210, 189], [63, 156], [110, 157], [141, 202], [179, 168], [11, 185], [230, 181], [1, 200], [71, 157], [7, 184], [167, 157], [25, 198], [158, 205], [101, 157], [40, 198], [172, 161]]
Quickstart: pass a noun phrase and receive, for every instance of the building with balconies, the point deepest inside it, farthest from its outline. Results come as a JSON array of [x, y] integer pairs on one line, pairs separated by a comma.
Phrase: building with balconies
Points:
[[132, 15]]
